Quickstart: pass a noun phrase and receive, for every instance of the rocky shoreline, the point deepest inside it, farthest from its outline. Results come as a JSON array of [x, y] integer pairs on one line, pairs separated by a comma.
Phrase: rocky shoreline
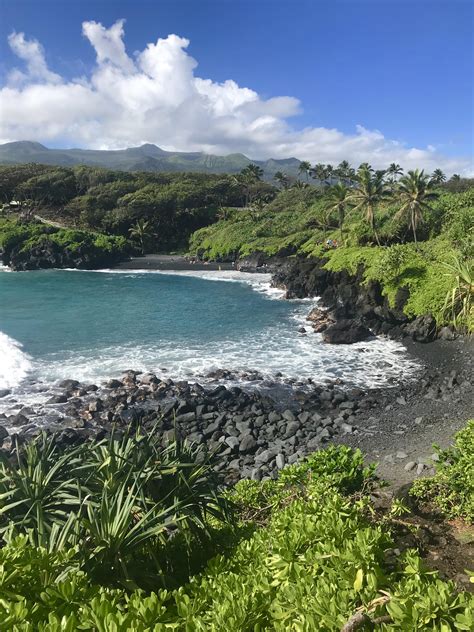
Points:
[[257, 433], [355, 310]]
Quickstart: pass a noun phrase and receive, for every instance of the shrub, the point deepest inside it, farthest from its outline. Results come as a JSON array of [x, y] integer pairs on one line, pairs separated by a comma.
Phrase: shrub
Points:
[[451, 489]]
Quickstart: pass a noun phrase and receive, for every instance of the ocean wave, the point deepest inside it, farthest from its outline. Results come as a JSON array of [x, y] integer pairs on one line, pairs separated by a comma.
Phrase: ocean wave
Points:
[[14, 363], [259, 281]]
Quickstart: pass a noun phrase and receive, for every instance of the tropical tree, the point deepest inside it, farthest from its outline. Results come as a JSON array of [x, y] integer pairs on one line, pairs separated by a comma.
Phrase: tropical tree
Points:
[[415, 191], [394, 171], [253, 171], [338, 198], [248, 177], [281, 179], [305, 167], [438, 177], [455, 177], [367, 196], [344, 171], [141, 232], [297, 184], [328, 173], [319, 172], [365, 166]]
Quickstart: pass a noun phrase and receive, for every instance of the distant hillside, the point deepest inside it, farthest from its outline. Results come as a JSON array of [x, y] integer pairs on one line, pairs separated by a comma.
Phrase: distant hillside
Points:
[[145, 158]]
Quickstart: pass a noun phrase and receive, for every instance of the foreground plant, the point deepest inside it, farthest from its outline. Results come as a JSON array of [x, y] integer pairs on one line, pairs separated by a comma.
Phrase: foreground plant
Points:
[[318, 564], [459, 302], [119, 500], [451, 489]]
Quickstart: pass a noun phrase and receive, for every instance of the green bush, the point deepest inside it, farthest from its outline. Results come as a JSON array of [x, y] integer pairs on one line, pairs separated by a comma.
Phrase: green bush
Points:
[[319, 559], [451, 489]]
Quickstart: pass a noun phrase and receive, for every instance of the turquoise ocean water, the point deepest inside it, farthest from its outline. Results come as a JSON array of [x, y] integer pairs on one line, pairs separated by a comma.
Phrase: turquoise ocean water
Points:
[[93, 325]]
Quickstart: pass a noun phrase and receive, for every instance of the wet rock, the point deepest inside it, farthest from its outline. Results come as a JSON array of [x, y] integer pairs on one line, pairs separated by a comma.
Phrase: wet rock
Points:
[[4, 392], [3, 433], [69, 384], [346, 331], [57, 399], [18, 420]]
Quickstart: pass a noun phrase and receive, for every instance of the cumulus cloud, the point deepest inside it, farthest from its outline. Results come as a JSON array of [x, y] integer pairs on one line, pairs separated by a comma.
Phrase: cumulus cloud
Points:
[[155, 96], [32, 53]]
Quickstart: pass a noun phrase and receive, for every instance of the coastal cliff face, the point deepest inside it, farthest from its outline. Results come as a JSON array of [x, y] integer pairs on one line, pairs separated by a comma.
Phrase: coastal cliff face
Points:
[[351, 303]]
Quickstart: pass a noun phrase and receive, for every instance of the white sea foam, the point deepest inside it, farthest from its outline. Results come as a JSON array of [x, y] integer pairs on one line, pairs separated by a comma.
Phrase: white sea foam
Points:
[[259, 281], [278, 349], [14, 363]]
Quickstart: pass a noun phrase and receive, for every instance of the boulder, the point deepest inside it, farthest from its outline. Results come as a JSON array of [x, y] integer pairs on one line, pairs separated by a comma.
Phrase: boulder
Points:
[[320, 319], [248, 445], [346, 331], [422, 329]]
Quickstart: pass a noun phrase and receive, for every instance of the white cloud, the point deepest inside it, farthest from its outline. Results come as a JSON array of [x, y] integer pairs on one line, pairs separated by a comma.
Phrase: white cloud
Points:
[[32, 53], [157, 98]]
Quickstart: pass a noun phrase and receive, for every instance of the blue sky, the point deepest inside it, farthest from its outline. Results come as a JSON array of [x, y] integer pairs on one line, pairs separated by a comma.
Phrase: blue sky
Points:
[[403, 68]]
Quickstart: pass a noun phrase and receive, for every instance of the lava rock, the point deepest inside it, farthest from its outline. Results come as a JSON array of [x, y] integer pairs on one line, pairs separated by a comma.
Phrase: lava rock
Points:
[[346, 332]]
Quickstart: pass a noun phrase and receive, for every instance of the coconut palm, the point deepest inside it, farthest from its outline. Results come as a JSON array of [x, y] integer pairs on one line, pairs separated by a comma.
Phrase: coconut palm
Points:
[[281, 179], [253, 172], [438, 177], [329, 172], [319, 172], [365, 166], [367, 196], [305, 167], [455, 177], [344, 171], [415, 191], [248, 177], [338, 198], [394, 171], [141, 232]]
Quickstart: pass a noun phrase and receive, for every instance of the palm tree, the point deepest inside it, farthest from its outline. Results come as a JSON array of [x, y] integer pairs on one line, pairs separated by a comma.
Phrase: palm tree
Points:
[[250, 175], [344, 171], [394, 170], [297, 184], [141, 231], [253, 171], [319, 172], [455, 177], [338, 197], [415, 190], [438, 177], [281, 179], [328, 173], [367, 196], [365, 166], [305, 167]]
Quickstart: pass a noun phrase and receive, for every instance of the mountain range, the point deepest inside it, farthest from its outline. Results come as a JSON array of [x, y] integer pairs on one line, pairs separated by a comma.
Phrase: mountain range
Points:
[[147, 157]]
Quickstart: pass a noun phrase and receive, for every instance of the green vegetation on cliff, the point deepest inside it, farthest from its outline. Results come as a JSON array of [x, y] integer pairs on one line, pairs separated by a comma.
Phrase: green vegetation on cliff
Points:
[[30, 245], [299, 222], [126, 535]]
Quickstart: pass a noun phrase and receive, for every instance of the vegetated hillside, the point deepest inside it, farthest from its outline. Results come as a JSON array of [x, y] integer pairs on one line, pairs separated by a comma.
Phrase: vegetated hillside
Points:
[[299, 221], [147, 157], [129, 535], [171, 206]]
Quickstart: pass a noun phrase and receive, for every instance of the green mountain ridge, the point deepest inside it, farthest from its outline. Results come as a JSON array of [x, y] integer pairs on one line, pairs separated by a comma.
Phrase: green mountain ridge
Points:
[[147, 157]]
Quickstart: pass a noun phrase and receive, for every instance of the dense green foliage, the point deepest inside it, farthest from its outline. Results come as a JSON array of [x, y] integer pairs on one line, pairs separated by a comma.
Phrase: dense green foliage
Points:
[[451, 489], [306, 554], [175, 204], [299, 221], [19, 240]]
